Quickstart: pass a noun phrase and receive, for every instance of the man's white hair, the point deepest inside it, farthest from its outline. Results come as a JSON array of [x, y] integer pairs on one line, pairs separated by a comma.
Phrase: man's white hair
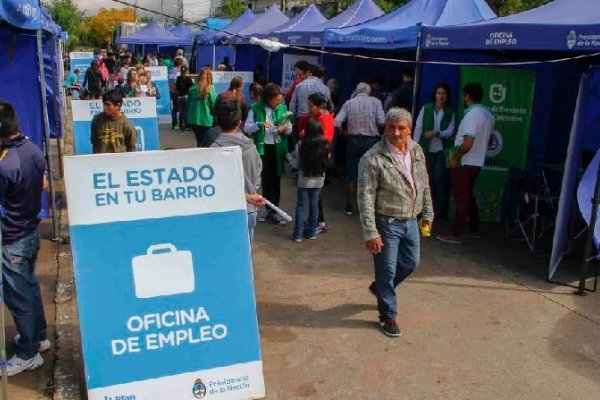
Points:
[[363, 88], [397, 114]]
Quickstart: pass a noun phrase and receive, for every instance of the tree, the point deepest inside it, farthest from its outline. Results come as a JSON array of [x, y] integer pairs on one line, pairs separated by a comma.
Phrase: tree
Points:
[[233, 8], [100, 26], [66, 14], [507, 7]]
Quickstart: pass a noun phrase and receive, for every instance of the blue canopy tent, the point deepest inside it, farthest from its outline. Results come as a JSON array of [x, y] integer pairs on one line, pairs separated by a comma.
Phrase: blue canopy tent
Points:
[[247, 58], [182, 31], [215, 44], [359, 12], [28, 61], [400, 28], [557, 30]]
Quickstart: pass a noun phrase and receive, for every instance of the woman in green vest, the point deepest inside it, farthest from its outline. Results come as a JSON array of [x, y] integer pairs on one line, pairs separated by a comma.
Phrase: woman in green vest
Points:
[[201, 99], [434, 131], [268, 123]]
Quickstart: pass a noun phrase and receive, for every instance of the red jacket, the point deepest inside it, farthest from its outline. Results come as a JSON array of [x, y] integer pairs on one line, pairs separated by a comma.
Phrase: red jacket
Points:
[[326, 121], [290, 92]]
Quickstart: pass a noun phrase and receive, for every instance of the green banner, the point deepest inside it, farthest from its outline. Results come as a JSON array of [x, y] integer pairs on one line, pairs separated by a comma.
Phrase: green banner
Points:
[[509, 96]]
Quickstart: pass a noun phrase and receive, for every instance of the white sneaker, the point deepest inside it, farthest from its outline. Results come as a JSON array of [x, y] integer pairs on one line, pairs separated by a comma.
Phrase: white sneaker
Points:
[[44, 344], [15, 365]]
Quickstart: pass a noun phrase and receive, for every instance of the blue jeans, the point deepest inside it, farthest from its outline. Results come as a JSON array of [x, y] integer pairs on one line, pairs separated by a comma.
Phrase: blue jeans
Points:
[[439, 181], [310, 198], [21, 293], [251, 225], [397, 260]]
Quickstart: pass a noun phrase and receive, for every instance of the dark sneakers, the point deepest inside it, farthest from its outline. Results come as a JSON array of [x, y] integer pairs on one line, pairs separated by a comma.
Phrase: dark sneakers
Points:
[[348, 209], [390, 328], [372, 289]]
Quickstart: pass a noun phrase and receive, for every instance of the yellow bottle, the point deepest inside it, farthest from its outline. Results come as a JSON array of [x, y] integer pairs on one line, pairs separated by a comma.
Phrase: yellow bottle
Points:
[[425, 230]]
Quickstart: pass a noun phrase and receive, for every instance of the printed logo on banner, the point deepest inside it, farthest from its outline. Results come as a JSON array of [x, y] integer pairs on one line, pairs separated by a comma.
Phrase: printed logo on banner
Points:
[[199, 389], [497, 93], [571, 39], [495, 144], [428, 40]]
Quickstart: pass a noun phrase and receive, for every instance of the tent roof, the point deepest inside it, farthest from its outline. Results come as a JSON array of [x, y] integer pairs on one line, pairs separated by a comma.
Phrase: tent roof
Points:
[[182, 31], [241, 22], [27, 14], [360, 11], [270, 19], [308, 18], [560, 25], [154, 34], [399, 28]]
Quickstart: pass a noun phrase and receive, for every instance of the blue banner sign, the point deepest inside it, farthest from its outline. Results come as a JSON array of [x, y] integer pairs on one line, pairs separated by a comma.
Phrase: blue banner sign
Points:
[[141, 112], [80, 60], [160, 77], [222, 79], [164, 278]]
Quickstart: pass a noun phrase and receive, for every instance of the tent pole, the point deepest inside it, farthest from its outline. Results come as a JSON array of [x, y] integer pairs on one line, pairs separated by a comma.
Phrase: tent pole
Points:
[[417, 81], [268, 76], [47, 145], [234, 57], [589, 244], [214, 67]]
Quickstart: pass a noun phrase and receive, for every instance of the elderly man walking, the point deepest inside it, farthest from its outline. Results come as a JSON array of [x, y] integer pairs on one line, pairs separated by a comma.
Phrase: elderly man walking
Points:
[[364, 115], [393, 188]]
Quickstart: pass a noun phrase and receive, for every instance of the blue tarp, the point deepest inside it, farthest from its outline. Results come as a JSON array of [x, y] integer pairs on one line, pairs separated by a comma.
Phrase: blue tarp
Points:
[[359, 12], [309, 17], [399, 29], [241, 22], [153, 34], [569, 25], [269, 20]]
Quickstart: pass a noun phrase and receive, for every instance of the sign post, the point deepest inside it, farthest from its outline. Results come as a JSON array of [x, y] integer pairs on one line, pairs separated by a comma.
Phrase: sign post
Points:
[[160, 77], [164, 278]]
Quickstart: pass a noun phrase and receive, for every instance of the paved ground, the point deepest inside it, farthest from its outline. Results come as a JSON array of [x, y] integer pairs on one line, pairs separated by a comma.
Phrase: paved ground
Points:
[[479, 320]]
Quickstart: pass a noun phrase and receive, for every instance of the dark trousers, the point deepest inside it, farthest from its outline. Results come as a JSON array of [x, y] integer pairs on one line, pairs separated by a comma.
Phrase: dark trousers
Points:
[[174, 108], [463, 188], [271, 181], [200, 133], [439, 182]]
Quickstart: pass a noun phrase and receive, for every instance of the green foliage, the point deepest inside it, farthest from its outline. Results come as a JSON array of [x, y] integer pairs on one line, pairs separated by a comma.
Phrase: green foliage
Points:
[[66, 14], [233, 8], [507, 7], [388, 5]]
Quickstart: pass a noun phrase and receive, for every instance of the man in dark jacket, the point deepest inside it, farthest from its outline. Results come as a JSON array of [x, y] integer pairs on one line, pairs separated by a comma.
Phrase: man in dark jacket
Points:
[[22, 169]]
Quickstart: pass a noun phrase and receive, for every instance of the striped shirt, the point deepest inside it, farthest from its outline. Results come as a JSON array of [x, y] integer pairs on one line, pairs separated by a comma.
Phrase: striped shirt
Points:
[[363, 113]]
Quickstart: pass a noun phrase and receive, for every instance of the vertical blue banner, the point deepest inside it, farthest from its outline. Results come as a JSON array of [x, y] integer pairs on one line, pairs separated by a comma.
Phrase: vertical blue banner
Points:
[[222, 79], [141, 112], [160, 76], [177, 318], [80, 60]]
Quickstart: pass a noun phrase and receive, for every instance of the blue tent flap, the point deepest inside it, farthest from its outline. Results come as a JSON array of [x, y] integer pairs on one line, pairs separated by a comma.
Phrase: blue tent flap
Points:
[[154, 34], [182, 31], [398, 29], [241, 22], [560, 25]]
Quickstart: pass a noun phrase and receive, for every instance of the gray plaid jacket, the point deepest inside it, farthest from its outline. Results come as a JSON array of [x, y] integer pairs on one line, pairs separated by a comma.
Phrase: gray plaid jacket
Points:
[[384, 190]]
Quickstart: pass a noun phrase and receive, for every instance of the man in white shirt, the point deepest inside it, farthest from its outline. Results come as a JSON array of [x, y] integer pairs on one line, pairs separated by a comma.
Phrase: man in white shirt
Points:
[[471, 145]]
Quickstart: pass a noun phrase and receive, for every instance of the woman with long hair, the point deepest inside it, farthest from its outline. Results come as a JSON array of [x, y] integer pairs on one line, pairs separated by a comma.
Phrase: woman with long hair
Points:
[[268, 123], [235, 93], [201, 99], [311, 158], [317, 110], [131, 85], [434, 131]]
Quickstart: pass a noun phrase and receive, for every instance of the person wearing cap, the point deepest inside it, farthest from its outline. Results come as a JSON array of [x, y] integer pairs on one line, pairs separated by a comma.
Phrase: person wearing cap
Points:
[[179, 55], [22, 168]]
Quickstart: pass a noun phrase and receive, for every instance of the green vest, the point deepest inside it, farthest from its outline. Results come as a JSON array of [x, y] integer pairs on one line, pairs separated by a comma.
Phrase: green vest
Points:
[[258, 109], [428, 111]]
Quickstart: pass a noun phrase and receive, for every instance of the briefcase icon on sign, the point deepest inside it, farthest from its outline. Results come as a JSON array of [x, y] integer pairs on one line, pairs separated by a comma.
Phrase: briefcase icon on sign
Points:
[[163, 273]]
